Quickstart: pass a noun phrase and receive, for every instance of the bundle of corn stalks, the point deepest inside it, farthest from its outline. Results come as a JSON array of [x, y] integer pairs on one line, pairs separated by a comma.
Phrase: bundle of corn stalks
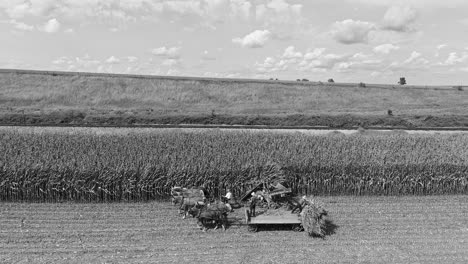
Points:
[[312, 218]]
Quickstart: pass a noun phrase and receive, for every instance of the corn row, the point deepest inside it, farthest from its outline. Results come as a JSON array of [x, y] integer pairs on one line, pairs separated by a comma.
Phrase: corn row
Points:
[[140, 167]]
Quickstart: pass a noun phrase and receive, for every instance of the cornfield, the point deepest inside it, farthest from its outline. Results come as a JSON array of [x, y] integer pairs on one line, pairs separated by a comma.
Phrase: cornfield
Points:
[[144, 166]]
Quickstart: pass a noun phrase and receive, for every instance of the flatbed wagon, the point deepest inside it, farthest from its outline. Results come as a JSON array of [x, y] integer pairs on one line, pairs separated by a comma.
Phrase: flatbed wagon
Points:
[[283, 219]]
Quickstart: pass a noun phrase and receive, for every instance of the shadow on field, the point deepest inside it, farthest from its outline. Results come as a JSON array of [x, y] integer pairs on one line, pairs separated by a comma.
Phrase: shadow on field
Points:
[[329, 228]]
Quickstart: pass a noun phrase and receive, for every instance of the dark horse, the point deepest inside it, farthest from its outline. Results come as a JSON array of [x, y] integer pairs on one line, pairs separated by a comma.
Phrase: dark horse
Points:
[[213, 213]]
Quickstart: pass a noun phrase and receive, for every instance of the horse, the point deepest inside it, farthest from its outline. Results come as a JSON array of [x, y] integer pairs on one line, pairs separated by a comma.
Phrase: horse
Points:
[[205, 217], [296, 203], [188, 203], [215, 212]]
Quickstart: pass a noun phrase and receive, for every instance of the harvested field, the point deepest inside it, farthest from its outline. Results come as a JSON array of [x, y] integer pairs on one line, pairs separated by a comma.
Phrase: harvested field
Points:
[[426, 229]]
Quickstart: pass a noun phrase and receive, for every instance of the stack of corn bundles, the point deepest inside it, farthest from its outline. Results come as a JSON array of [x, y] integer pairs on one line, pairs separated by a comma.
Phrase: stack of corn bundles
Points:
[[312, 218]]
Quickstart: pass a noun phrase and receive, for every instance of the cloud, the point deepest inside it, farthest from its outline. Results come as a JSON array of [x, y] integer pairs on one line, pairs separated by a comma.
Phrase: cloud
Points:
[[277, 9], [351, 32], [439, 48], [316, 60], [241, 8], [118, 13], [21, 26], [19, 9], [85, 63], [385, 48], [132, 59], [416, 3], [171, 62], [51, 26], [453, 58], [256, 39], [112, 60], [291, 53], [171, 53], [414, 55], [316, 53], [399, 18]]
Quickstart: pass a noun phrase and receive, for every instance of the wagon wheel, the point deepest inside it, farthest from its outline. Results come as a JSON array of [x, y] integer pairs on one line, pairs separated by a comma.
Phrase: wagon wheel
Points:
[[297, 228], [253, 228]]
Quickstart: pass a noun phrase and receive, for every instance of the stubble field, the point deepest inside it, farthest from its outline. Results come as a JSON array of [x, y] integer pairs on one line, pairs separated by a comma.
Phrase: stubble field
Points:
[[409, 229]]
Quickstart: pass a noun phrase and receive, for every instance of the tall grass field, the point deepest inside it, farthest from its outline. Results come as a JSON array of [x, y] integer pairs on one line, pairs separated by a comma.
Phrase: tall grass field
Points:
[[46, 166]]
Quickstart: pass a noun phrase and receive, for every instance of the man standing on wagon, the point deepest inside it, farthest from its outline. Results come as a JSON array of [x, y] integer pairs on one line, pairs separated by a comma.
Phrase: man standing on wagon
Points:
[[253, 203]]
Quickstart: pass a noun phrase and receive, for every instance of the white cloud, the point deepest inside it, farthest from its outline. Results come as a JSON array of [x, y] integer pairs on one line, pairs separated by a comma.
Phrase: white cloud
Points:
[[120, 12], [61, 60], [256, 39], [85, 63], [241, 8], [415, 3], [399, 18], [51, 26], [385, 48], [441, 46], [454, 58], [173, 72], [21, 26], [171, 53], [132, 59], [414, 55], [171, 62], [350, 32], [311, 61], [316, 53], [277, 12], [113, 60], [21, 8], [291, 53]]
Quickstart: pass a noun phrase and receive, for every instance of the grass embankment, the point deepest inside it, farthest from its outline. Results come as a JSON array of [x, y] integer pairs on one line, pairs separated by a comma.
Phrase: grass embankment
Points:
[[28, 97], [87, 167]]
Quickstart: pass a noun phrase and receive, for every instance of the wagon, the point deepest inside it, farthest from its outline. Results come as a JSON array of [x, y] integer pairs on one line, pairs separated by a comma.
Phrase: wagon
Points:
[[286, 219]]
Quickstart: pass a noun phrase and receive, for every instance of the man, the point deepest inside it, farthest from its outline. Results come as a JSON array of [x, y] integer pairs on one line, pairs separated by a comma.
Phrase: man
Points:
[[253, 204], [228, 195]]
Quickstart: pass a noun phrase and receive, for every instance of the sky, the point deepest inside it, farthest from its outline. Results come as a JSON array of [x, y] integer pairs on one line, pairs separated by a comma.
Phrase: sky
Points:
[[370, 41]]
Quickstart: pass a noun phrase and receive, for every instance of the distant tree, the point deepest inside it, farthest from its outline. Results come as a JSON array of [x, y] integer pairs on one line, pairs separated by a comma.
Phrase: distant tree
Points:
[[305, 80], [361, 84], [402, 81], [389, 112], [271, 79], [298, 80], [331, 80]]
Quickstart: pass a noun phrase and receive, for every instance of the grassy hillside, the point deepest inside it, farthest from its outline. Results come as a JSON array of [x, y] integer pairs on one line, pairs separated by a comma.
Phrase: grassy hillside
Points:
[[33, 97]]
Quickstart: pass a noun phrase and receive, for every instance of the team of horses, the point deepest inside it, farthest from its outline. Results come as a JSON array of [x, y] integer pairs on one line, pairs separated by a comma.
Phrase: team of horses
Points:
[[207, 211], [211, 212]]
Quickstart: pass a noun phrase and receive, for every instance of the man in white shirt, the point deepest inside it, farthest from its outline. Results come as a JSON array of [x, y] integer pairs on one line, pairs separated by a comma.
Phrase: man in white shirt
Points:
[[228, 195]]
